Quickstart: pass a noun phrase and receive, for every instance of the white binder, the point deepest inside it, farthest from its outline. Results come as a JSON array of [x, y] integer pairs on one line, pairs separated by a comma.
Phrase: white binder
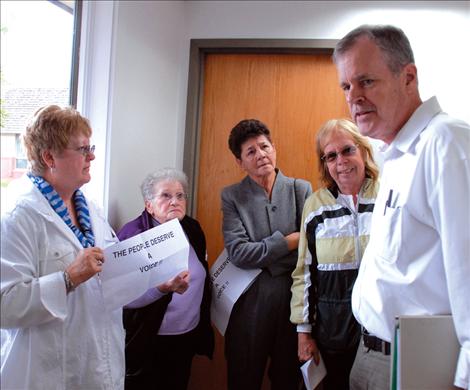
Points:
[[424, 353]]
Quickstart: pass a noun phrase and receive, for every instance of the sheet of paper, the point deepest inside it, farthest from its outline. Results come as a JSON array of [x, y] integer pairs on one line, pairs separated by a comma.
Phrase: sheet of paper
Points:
[[134, 265], [312, 373], [228, 283]]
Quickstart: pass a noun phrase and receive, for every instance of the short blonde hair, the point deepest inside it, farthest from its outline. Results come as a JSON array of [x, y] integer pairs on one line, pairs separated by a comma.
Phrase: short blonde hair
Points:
[[51, 129], [349, 128]]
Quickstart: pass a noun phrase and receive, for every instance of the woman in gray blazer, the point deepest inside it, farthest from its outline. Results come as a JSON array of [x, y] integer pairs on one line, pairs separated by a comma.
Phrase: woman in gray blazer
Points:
[[261, 223]]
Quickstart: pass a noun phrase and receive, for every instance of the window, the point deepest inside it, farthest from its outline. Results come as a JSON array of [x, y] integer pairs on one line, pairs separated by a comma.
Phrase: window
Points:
[[39, 57], [20, 158]]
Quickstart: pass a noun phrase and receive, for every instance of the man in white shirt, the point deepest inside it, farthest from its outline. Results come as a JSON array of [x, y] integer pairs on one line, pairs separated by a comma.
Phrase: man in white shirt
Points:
[[418, 258]]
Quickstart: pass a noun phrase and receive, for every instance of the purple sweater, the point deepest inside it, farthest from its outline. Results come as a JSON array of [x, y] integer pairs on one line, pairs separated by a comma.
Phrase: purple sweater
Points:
[[183, 312], [140, 324]]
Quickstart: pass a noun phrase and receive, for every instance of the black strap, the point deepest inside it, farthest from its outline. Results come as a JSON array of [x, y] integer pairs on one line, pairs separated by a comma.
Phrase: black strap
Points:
[[375, 343]]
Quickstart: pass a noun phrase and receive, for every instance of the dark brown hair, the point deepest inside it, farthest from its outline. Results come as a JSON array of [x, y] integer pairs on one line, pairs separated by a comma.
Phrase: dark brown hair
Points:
[[244, 130]]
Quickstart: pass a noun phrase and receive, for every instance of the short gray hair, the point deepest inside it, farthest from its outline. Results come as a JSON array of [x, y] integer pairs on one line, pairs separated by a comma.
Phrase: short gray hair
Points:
[[391, 41], [160, 175]]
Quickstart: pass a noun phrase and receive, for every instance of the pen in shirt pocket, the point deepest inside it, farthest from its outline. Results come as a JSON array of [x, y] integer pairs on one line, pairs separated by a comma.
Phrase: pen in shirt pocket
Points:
[[388, 202]]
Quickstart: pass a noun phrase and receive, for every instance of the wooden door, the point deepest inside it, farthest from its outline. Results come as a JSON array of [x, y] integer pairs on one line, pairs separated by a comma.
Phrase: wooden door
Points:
[[293, 94]]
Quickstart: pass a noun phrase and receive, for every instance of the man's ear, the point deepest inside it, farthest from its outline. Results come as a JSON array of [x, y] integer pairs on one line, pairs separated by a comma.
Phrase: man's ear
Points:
[[239, 162], [48, 158], [411, 74]]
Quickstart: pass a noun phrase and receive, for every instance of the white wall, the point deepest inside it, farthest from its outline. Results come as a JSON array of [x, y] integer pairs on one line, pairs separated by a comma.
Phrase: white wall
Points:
[[439, 32], [146, 104], [151, 56]]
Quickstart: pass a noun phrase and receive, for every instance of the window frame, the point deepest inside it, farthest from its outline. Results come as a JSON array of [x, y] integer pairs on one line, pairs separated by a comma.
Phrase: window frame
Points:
[[75, 63]]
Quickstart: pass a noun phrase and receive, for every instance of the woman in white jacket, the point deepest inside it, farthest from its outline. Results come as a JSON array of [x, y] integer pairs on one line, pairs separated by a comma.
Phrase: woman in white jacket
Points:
[[56, 331]]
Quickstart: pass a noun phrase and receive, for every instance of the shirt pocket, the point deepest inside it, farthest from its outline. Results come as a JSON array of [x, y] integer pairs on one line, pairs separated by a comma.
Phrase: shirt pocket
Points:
[[110, 238], [56, 259], [389, 234]]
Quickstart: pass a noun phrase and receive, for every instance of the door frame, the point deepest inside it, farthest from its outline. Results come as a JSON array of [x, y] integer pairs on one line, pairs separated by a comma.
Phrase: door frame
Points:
[[199, 48]]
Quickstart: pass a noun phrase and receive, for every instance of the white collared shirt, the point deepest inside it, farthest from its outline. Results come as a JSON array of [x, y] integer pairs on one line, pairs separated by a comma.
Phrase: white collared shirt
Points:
[[418, 258]]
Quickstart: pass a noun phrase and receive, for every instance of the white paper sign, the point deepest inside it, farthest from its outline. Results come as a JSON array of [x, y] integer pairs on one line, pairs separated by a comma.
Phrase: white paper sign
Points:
[[228, 283], [134, 265], [312, 373]]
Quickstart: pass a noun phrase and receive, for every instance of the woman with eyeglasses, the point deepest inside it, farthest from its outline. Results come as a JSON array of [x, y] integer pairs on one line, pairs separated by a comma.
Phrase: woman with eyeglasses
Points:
[[57, 332], [165, 330], [335, 231], [261, 223]]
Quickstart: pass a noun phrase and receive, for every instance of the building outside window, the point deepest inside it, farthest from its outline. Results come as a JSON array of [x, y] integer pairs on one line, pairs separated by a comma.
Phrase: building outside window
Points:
[[37, 68]]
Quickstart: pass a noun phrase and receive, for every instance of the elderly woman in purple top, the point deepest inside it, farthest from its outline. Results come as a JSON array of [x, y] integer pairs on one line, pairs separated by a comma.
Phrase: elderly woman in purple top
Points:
[[165, 330]]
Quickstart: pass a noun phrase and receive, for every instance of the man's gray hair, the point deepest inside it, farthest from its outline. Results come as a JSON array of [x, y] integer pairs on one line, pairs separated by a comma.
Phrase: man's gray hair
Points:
[[172, 174], [391, 40]]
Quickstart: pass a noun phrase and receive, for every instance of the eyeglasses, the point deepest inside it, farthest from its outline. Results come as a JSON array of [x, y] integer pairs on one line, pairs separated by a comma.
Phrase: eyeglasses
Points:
[[85, 149], [332, 156], [166, 197]]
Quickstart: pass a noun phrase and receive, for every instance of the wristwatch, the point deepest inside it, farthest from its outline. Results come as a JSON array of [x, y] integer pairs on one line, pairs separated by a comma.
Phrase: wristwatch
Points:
[[68, 282]]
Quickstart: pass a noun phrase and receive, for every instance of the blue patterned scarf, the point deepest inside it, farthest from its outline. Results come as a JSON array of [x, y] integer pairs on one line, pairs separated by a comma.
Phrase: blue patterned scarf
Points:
[[85, 233]]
